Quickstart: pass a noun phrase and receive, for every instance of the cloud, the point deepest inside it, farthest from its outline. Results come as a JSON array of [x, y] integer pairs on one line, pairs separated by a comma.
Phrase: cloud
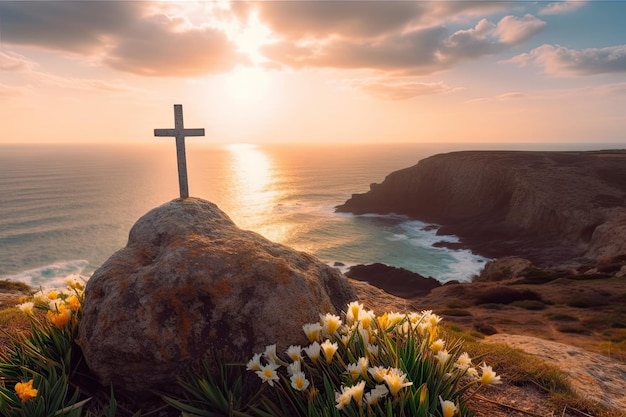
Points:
[[10, 61], [321, 19], [136, 37], [8, 91], [562, 61], [513, 31], [510, 96], [75, 26], [151, 47], [416, 50], [562, 7], [397, 88], [158, 39], [420, 51]]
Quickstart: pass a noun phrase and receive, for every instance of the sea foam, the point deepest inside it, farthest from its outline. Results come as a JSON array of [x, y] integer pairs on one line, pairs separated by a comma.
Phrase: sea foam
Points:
[[53, 275]]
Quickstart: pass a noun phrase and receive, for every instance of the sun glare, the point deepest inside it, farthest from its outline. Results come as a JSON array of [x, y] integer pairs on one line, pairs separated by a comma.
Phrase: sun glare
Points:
[[246, 85]]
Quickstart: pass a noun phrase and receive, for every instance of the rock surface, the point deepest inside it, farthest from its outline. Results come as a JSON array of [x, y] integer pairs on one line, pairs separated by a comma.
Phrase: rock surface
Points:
[[190, 281], [502, 269], [593, 376], [396, 281], [548, 207]]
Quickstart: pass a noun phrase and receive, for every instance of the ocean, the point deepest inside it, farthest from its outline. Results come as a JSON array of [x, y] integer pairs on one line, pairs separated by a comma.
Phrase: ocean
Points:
[[64, 209]]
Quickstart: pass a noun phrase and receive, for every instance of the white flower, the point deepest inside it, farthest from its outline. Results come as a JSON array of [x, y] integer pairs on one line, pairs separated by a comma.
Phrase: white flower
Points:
[[354, 311], [330, 323], [313, 351], [294, 352], [488, 376], [396, 380], [378, 373], [55, 303], [358, 369], [255, 363], [372, 350], [376, 394], [346, 394], [448, 408], [365, 335], [27, 307], [268, 373], [395, 318], [463, 361], [294, 367], [442, 356], [437, 345], [366, 317], [299, 381], [329, 348], [472, 373], [270, 353], [312, 331]]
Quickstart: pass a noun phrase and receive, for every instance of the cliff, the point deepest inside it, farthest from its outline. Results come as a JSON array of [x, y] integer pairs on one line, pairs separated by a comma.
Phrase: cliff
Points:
[[549, 207]]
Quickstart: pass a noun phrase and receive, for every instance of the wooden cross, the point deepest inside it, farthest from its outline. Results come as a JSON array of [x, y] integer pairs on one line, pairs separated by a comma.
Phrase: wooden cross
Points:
[[179, 132]]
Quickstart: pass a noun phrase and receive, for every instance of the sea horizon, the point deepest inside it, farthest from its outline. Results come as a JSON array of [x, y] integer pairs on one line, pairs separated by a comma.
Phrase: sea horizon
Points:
[[65, 208]]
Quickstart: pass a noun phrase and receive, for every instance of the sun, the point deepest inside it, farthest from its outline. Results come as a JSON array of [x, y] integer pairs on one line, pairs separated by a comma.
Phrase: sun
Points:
[[246, 85]]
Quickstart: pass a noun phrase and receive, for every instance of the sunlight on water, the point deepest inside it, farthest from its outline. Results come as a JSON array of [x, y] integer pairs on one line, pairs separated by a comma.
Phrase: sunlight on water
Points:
[[253, 193]]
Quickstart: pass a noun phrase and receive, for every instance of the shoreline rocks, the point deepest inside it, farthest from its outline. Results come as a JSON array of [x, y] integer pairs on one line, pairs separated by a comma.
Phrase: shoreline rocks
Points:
[[549, 207], [395, 281]]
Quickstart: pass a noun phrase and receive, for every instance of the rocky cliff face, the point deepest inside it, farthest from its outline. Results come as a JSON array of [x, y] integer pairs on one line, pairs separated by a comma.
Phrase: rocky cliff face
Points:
[[546, 206]]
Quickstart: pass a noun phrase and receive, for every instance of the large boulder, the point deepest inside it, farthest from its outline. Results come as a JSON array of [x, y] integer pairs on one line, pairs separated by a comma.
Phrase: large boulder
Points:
[[190, 281]]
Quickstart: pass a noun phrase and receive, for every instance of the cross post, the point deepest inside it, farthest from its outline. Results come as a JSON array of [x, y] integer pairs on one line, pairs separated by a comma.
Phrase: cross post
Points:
[[179, 132]]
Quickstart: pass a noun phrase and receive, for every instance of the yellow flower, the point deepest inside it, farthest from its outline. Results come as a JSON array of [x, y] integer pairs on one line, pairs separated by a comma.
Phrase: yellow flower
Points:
[[52, 295], [73, 303], [396, 380], [74, 284], [60, 317], [329, 348], [25, 390], [488, 376], [448, 408]]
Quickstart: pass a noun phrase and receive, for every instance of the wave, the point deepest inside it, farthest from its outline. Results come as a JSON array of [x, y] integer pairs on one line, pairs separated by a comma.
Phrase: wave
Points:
[[53, 275]]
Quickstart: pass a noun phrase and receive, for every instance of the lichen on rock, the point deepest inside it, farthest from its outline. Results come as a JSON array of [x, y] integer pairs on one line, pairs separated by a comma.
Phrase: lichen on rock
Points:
[[189, 282]]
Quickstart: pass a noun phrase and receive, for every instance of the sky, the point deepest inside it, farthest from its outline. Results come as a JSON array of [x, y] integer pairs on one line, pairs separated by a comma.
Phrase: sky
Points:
[[314, 71]]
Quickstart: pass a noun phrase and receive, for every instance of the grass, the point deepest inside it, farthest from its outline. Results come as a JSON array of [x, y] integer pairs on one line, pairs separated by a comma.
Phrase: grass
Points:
[[505, 295], [529, 304], [561, 317], [455, 312], [521, 369], [7, 285]]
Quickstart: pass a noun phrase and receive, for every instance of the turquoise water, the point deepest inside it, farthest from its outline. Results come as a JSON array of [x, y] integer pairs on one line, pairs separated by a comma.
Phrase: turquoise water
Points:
[[64, 209]]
